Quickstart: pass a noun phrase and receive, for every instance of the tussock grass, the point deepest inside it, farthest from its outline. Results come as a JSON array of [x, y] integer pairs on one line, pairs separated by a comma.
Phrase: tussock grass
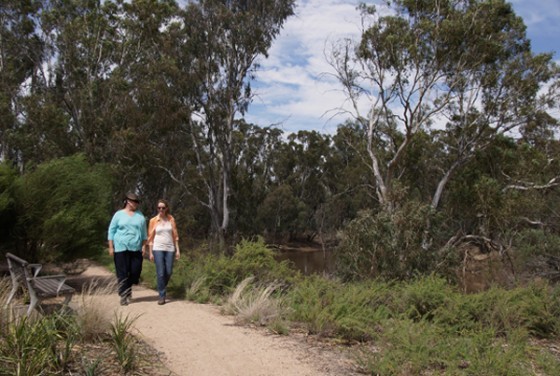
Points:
[[198, 291], [253, 304], [27, 348], [94, 321], [6, 313]]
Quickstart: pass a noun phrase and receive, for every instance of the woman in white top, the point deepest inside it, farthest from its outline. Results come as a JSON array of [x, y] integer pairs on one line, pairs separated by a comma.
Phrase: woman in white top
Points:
[[163, 242]]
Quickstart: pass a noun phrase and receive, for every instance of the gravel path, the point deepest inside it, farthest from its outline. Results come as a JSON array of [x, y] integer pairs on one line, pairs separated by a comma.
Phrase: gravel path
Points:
[[196, 340]]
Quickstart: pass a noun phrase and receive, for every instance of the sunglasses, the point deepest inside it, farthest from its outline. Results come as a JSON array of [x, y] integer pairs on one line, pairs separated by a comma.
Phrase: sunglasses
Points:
[[161, 207], [135, 201]]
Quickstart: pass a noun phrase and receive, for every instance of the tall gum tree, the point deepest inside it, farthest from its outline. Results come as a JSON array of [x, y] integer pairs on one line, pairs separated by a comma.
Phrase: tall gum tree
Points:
[[460, 71], [21, 54], [223, 40]]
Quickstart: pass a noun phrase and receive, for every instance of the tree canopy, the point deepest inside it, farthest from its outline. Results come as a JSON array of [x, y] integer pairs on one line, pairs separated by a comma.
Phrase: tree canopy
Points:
[[457, 141]]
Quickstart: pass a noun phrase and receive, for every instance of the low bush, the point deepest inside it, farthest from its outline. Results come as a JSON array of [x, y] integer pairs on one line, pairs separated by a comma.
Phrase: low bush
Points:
[[427, 326], [205, 277], [327, 307]]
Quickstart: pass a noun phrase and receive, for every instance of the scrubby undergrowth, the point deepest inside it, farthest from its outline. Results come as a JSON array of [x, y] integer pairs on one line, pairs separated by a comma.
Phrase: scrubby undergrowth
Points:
[[422, 326]]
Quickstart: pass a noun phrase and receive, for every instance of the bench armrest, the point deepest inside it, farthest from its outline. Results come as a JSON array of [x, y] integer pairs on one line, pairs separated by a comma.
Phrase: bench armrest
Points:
[[35, 269]]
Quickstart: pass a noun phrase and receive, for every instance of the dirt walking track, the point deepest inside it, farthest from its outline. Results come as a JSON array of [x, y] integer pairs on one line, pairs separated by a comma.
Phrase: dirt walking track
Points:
[[196, 340]]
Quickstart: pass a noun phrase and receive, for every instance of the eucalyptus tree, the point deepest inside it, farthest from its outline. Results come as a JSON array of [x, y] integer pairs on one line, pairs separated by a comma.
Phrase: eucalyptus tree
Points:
[[434, 84], [222, 43], [146, 119], [112, 62], [461, 72], [296, 191], [254, 149], [21, 54], [81, 38]]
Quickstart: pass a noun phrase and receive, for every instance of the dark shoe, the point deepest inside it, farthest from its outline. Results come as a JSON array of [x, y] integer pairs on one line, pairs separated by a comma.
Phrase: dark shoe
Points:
[[161, 301], [124, 300]]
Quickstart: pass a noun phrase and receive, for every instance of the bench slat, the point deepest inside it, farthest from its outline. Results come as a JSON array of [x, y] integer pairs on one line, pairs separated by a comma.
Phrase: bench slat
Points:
[[47, 287]]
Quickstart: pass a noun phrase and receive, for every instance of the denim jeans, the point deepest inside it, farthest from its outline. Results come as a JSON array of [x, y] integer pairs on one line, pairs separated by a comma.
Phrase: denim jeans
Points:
[[164, 269]]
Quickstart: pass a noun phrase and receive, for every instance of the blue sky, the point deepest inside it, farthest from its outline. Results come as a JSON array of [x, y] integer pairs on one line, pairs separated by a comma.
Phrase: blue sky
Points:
[[294, 89]]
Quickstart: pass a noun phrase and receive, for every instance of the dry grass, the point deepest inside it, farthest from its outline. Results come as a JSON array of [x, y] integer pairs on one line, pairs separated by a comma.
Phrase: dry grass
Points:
[[6, 312], [94, 321], [197, 290], [253, 305]]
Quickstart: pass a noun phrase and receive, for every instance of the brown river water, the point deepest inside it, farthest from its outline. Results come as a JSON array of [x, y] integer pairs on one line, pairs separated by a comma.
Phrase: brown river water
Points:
[[308, 261]]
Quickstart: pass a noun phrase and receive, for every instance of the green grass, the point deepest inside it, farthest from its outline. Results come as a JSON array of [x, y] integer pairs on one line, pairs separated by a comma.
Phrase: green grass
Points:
[[124, 343]]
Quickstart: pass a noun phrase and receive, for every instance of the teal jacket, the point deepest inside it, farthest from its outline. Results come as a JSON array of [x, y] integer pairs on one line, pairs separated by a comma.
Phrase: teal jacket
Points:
[[127, 232]]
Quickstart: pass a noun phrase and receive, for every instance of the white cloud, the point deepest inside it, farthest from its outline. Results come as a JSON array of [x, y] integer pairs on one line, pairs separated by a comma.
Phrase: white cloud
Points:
[[291, 86]]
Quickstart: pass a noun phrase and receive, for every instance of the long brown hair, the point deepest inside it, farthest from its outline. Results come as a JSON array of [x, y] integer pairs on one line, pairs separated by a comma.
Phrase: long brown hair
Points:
[[164, 202]]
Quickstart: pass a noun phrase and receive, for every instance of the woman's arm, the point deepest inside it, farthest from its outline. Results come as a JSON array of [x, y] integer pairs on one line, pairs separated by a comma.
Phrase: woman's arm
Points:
[[111, 248]]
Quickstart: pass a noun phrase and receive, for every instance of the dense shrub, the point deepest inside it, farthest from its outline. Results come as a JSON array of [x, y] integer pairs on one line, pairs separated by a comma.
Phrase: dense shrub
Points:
[[62, 209], [385, 245]]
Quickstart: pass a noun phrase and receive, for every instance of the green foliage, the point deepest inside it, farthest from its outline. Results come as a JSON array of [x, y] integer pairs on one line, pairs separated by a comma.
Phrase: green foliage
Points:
[[205, 276], [69, 342], [37, 347], [418, 348], [308, 300], [407, 348], [547, 362], [254, 258], [422, 298], [537, 242], [62, 209], [250, 258], [326, 307], [91, 367], [119, 79], [427, 326], [535, 308], [279, 212], [124, 343], [385, 245]]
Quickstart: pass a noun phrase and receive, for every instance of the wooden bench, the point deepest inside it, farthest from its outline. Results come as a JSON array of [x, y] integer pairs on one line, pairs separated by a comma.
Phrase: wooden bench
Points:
[[26, 275]]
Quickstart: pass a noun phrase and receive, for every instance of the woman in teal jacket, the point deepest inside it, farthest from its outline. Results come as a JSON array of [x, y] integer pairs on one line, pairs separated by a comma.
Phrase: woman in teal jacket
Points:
[[127, 244]]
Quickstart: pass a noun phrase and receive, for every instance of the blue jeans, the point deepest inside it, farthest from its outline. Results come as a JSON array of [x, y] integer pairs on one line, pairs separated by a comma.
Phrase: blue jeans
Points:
[[164, 269]]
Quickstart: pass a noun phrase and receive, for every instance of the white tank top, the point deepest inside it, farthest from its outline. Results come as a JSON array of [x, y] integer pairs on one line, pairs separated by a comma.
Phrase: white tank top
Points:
[[163, 240]]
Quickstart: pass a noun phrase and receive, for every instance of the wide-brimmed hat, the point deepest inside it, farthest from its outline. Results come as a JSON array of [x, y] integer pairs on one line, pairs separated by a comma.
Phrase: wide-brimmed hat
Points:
[[132, 197]]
